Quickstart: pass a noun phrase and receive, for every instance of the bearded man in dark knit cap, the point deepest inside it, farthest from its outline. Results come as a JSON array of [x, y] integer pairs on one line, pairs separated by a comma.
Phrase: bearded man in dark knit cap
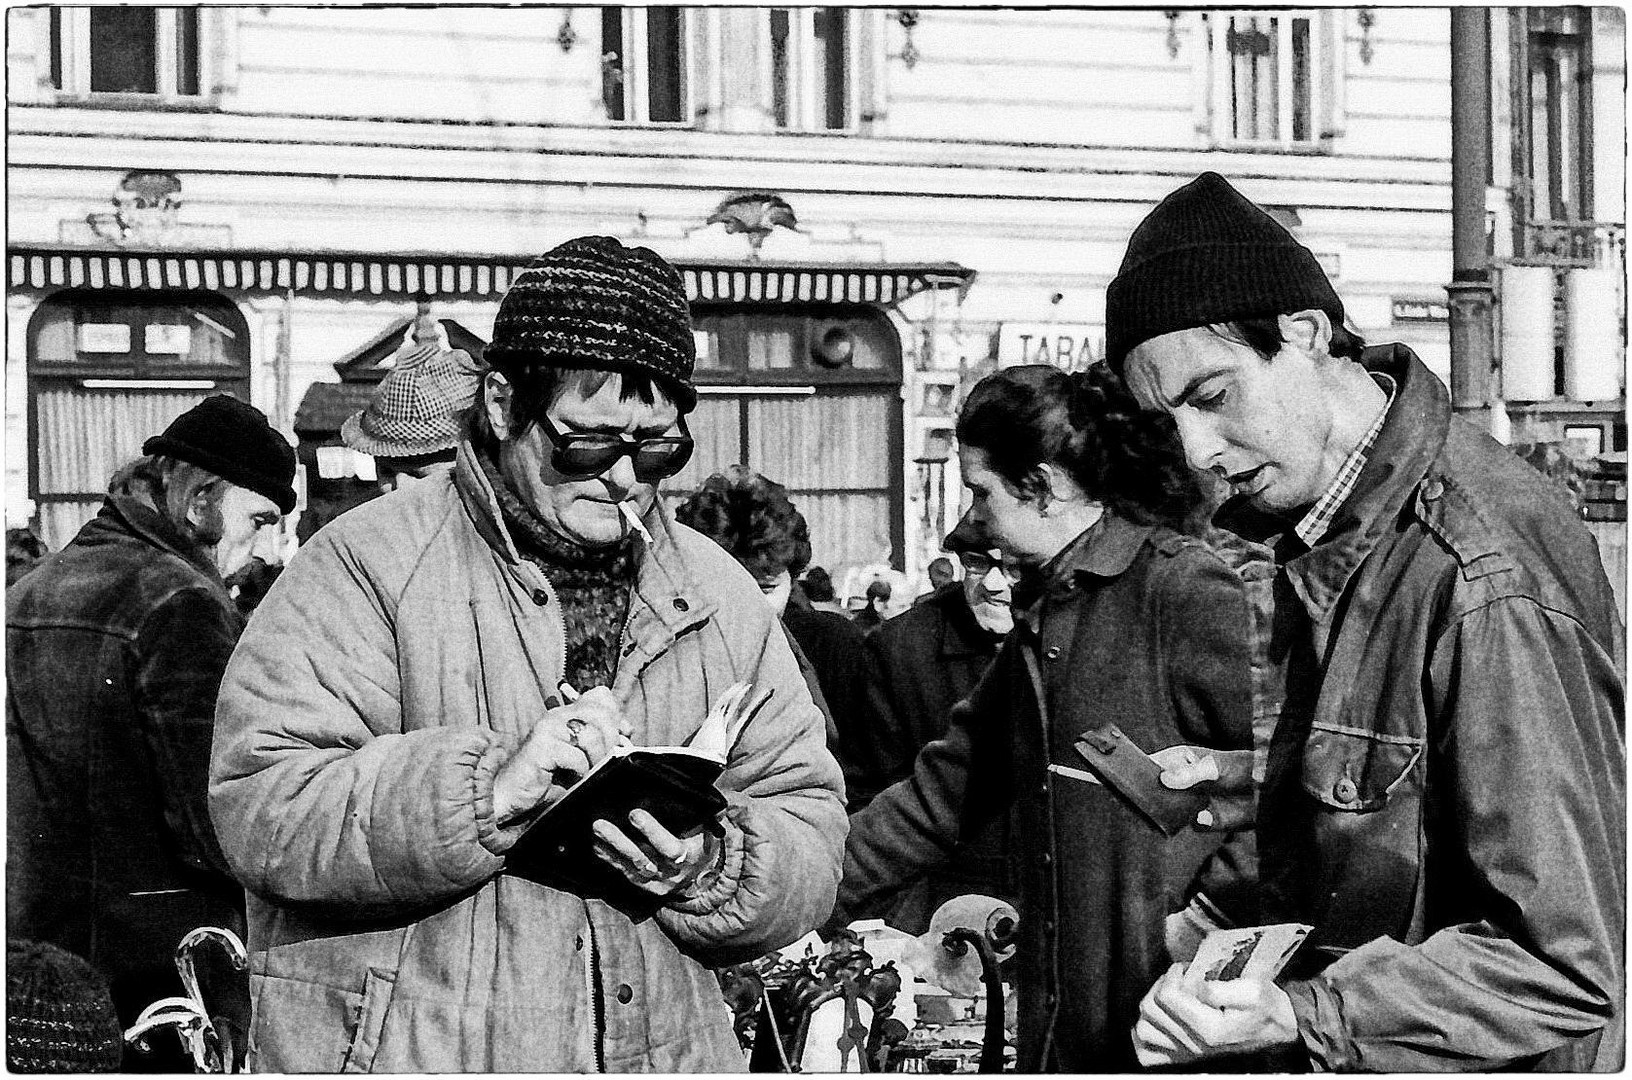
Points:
[[115, 647], [1445, 789], [393, 723]]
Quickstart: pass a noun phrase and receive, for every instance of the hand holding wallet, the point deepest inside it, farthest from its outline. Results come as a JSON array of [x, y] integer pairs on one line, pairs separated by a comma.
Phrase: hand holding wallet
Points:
[[1137, 779]]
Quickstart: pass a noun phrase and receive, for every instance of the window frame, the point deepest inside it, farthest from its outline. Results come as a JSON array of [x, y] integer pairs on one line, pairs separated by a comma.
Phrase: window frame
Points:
[[806, 103], [731, 324], [636, 63], [1547, 35], [1320, 77], [66, 43]]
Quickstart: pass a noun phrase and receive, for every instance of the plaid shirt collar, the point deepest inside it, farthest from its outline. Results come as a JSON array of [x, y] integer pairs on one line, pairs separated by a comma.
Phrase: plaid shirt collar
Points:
[[1318, 521]]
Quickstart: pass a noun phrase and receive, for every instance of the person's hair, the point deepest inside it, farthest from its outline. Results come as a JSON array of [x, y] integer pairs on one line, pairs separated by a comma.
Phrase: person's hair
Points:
[[23, 550], [168, 486], [942, 563], [752, 518], [536, 387], [1088, 424], [1263, 336], [818, 586]]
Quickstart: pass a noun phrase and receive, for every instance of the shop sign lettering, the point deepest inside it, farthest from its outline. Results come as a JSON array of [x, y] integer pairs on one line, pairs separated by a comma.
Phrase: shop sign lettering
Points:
[[1071, 346]]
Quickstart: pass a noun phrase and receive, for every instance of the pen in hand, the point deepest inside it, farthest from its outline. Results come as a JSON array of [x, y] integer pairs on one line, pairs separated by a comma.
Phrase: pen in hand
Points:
[[569, 695]]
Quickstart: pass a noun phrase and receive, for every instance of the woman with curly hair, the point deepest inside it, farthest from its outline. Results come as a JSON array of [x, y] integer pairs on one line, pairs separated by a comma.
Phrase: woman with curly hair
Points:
[[753, 519], [1129, 636]]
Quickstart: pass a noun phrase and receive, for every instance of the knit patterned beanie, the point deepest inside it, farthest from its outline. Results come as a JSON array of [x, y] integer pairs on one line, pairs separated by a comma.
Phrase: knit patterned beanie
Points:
[[1206, 255], [594, 304], [59, 1013], [233, 441]]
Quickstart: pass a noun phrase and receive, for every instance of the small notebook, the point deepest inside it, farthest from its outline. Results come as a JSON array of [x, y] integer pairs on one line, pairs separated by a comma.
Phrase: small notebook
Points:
[[675, 784]]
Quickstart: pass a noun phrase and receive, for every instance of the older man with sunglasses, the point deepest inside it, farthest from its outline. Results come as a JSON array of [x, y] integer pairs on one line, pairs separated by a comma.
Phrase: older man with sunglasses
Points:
[[438, 667]]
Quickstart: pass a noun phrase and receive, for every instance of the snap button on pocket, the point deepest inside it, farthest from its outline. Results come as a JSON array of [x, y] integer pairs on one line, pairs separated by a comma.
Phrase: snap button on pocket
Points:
[[625, 994], [680, 604], [1053, 652], [1345, 790]]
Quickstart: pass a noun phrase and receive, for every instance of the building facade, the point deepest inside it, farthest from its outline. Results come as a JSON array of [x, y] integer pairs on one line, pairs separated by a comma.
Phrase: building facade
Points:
[[870, 207]]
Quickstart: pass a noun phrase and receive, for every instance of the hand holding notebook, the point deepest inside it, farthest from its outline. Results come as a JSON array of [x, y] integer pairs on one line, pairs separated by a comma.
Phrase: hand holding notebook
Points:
[[657, 800]]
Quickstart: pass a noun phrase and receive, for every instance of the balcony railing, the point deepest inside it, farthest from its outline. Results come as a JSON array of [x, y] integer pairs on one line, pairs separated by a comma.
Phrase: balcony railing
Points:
[[1583, 244]]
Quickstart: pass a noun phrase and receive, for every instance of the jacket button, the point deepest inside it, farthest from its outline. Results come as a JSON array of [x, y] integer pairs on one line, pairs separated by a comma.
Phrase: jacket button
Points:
[[1433, 489], [578, 943], [540, 597], [1345, 790], [1053, 652], [680, 604], [1048, 859], [625, 994]]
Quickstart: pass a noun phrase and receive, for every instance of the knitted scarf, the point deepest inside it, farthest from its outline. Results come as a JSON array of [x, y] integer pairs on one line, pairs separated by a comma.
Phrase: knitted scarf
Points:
[[593, 584]]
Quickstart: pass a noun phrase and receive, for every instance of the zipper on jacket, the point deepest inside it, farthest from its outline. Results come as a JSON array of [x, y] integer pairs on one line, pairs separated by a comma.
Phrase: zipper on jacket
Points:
[[597, 1001]]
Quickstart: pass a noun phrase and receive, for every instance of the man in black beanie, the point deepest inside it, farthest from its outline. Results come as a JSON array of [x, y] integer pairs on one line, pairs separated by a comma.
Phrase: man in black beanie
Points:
[[115, 648], [441, 664], [1445, 791]]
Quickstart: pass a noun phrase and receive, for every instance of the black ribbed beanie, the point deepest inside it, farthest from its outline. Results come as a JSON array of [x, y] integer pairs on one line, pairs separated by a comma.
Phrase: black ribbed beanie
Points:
[[592, 303], [233, 441], [1207, 254]]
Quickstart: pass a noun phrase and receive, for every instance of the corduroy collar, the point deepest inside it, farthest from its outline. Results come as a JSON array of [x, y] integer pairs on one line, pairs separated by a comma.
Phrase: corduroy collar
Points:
[[123, 512], [1412, 436]]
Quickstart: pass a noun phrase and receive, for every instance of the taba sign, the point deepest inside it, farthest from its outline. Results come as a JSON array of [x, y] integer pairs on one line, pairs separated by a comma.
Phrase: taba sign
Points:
[[1071, 346], [1409, 309]]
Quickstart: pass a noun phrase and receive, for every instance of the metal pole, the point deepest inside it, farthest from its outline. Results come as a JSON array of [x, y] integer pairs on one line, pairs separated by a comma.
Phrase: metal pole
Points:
[[1472, 336]]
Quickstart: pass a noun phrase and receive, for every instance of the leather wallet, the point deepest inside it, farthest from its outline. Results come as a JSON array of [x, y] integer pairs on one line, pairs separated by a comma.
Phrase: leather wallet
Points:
[[1137, 778]]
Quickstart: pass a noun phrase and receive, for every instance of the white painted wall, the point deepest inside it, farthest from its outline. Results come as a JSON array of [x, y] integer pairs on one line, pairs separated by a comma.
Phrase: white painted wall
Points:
[[1026, 144]]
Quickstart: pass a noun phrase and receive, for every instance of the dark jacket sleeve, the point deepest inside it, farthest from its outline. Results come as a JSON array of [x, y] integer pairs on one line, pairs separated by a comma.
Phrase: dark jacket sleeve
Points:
[[1207, 630], [1529, 748], [959, 782], [179, 655]]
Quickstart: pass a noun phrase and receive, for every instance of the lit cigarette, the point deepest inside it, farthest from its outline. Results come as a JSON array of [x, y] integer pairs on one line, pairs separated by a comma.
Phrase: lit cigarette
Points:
[[633, 517]]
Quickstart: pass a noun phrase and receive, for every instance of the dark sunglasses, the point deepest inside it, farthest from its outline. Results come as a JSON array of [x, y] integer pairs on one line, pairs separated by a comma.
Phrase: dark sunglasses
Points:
[[581, 456]]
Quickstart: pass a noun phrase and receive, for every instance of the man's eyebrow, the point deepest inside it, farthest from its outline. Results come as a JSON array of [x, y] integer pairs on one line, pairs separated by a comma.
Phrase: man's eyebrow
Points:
[[1193, 385]]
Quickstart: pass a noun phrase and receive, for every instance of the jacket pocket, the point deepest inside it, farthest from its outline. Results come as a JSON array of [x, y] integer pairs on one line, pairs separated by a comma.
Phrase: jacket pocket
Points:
[[365, 1039], [1353, 770]]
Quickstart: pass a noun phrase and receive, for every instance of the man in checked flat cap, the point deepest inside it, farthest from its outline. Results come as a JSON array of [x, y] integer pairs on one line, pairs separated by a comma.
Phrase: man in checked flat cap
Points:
[[1445, 792], [390, 727]]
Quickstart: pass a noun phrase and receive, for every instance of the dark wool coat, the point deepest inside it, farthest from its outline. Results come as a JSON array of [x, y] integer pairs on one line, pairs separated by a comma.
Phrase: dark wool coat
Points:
[[1446, 791], [918, 665], [1138, 627], [115, 648], [830, 654]]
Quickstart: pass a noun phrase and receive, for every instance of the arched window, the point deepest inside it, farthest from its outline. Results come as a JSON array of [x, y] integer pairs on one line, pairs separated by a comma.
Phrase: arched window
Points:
[[107, 369]]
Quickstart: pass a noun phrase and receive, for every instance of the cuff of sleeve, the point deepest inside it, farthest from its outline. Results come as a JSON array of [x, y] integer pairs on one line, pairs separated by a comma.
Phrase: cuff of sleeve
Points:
[[1210, 914], [710, 890], [496, 838], [1320, 1025]]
